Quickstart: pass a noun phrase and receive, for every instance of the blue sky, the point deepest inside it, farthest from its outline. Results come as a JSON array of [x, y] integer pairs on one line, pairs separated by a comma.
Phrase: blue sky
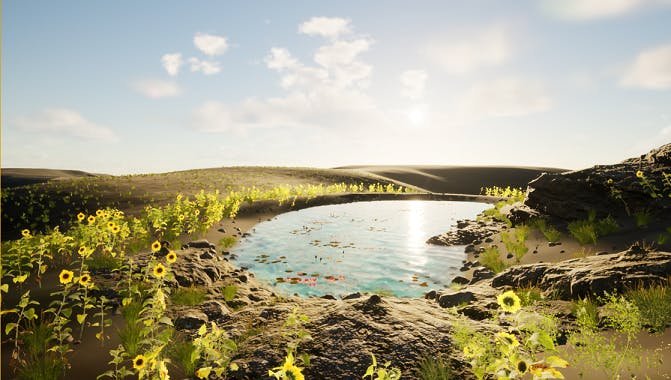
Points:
[[152, 86]]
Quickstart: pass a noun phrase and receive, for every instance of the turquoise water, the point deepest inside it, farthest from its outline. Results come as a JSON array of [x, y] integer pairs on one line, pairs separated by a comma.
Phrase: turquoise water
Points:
[[364, 246]]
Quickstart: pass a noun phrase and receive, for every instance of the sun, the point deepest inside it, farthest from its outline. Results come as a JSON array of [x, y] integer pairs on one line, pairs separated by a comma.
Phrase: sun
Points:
[[416, 115]]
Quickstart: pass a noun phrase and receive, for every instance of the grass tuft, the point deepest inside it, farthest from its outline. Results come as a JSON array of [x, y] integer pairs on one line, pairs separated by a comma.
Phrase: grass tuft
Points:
[[654, 303], [431, 368], [491, 258], [188, 296]]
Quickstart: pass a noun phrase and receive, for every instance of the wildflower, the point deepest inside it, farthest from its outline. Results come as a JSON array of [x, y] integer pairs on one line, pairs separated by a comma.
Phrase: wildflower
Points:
[[82, 251], [155, 246], [85, 280], [163, 371], [508, 339], [610, 181], [139, 362], [509, 301], [81, 216], [159, 270], [91, 219], [99, 213], [288, 370], [171, 257], [116, 229], [111, 225], [66, 276], [25, 233], [639, 174], [522, 366]]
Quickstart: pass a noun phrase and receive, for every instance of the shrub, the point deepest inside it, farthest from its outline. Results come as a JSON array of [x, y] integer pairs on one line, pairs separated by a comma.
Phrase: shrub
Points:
[[491, 258], [654, 304], [431, 368], [583, 231]]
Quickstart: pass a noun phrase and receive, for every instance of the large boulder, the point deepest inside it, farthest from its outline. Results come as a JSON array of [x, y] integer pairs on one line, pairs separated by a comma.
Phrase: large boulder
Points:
[[571, 195]]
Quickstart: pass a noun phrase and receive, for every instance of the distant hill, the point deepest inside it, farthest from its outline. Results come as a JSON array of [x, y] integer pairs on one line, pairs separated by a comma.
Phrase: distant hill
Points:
[[455, 179], [14, 177]]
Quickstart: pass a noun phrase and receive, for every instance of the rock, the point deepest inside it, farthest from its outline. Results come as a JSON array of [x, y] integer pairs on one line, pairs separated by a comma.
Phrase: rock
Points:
[[455, 299], [481, 273], [222, 230], [553, 244], [242, 278], [509, 256], [460, 280], [352, 296], [467, 232], [200, 244], [214, 309], [431, 295], [475, 312], [254, 297], [469, 248], [207, 255], [190, 320], [328, 297]]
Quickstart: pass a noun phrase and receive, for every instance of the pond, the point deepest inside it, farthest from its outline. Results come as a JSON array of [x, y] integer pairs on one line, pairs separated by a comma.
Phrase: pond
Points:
[[377, 247]]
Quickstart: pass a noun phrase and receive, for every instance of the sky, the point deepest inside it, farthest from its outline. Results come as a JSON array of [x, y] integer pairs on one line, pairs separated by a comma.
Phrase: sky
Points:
[[124, 87]]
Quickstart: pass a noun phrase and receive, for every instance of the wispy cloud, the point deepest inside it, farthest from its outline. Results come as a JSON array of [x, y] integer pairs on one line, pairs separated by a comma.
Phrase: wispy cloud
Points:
[[464, 53], [506, 97], [156, 88], [211, 44], [581, 10], [651, 69], [172, 63], [327, 94], [413, 83], [205, 67], [63, 121], [329, 27]]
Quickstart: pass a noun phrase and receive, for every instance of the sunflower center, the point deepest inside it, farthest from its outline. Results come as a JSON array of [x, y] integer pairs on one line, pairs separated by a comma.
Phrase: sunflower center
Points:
[[522, 366], [509, 301]]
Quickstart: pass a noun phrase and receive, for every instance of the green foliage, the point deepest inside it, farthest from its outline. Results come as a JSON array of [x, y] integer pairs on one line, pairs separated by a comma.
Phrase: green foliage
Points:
[[374, 372], [103, 261], [606, 226], [227, 241], [229, 292], [516, 194], [550, 232], [213, 349], [432, 368], [654, 304], [529, 295], [491, 258], [643, 218], [515, 242], [188, 296], [583, 231]]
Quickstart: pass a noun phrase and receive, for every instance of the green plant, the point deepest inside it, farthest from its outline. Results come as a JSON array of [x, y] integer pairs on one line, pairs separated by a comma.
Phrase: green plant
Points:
[[606, 226], [227, 241], [381, 373], [434, 368], [103, 261], [229, 292], [188, 296], [214, 350], [654, 304], [529, 295], [550, 232], [643, 218], [515, 242], [583, 231], [491, 258]]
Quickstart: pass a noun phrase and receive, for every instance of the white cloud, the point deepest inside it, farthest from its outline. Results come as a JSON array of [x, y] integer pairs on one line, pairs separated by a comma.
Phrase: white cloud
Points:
[[210, 44], [156, 88], [63, 121], [172, 63], [413, 82], [328, 93], [459, 56], [329, 27], [506, 97], [651, 69], [594, 9], [206, 67]]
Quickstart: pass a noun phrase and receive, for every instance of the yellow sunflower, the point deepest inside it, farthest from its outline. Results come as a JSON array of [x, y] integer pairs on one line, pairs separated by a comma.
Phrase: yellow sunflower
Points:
[[91, 219], [509, 302], [116, 229], [639, 174], [99, 212], [507, 339], [25, 233], [610, 181], [111, 225], [82, 251], [81, 216], [155, 246], [171, 257], [139, 362], [159, 270], [66, 276], [522, 366], [85, 280]]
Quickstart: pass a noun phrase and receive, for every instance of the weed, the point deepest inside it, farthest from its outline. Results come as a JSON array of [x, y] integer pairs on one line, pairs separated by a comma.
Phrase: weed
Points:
[[491, 258], [654, 304], [188, 296], [643, 218], [583, 231], [432, 368], [376, 372], [529, 295], [229, 292], [227, 241]]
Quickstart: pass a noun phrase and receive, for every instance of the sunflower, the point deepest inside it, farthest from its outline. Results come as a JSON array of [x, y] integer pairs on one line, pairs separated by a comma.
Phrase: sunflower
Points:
[[81, 216], [91, 219], [155, 246], [507, 339], [85, 280], [99, 212], [25, 233], [288, 371], [82, 251], [159, 270], [171, 257], [111, 225], [610, 181], [66, 276], [522, 366], [639, 174], [116, 229], [509, 301], [139, 362]]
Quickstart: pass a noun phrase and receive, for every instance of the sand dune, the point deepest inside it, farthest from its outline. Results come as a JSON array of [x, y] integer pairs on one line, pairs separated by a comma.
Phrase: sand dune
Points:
[[13, 177], [455, 179]]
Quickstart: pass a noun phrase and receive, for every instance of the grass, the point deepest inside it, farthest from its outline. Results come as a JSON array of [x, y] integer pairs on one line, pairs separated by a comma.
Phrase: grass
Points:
[[227, 241], [654, 304], [583, 231], [102, 261], [229, 292], [643, 218], [529, 295], [491, 258], [550, 232], [188, 296], [586, 312], [181, 352], [431, 368]]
